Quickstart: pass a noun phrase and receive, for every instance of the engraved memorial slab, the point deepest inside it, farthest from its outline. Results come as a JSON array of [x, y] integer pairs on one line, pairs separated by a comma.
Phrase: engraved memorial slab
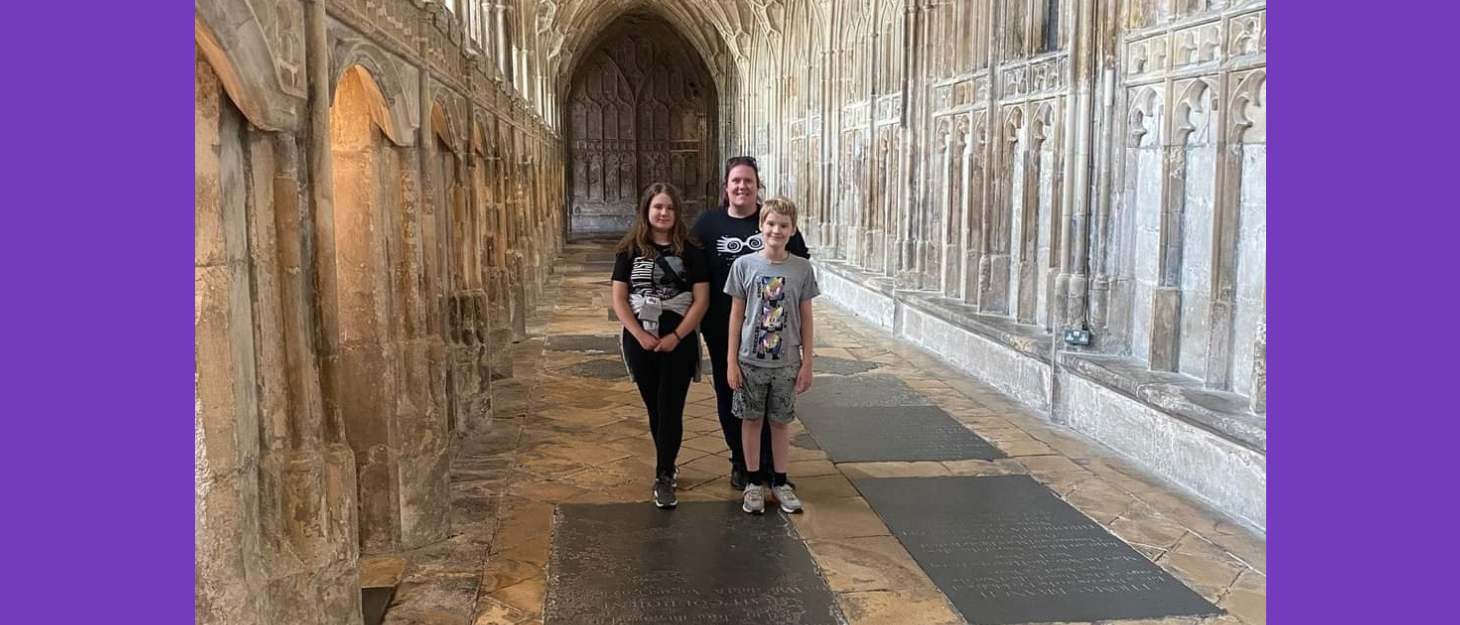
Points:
[[842, 366], [705, 562], [1005, 550], [583, 343], [861, 390], [599, 369], [893, 434]]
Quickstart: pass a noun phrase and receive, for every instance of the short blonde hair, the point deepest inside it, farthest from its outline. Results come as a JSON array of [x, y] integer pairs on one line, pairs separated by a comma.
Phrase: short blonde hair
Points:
[[780, 205]]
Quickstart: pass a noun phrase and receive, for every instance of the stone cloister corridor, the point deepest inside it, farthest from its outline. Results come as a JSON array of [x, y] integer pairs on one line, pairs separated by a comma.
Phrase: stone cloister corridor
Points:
[[1040, 223]]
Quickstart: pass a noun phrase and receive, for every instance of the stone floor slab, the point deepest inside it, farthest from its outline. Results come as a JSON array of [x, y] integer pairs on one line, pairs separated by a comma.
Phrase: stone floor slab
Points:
[[1007, 550], [873, 389], [600, 369], [608, 344], [700, 563], [892, 434], [842, 366]]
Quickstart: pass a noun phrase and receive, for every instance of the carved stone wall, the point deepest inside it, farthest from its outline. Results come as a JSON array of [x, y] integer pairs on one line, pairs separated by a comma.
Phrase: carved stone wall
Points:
[[642, 110], [383, 185], [378, 207], [1026, 167]]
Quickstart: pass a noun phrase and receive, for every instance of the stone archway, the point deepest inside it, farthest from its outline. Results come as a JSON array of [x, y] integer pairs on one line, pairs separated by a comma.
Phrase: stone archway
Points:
[[642, 109]]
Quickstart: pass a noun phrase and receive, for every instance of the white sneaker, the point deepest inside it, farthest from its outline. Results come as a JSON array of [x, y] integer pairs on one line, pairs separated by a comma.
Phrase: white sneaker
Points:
[[754, 500], [790, 504]]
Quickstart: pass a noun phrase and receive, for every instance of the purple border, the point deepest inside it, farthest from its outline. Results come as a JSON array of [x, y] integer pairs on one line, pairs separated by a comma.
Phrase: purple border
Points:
[[97, 293], [1360, 529]]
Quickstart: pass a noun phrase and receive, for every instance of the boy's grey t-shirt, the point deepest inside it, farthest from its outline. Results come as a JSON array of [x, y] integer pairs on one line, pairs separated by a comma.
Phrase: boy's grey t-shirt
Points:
[[773, 292]]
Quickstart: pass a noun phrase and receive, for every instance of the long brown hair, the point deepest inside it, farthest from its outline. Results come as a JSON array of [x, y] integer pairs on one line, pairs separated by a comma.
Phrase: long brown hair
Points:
[[639, 240]]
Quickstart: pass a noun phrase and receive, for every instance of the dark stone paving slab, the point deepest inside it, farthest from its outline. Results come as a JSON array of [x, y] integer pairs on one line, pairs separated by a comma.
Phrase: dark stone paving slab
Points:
[[704, 562], [842, 366], [863, 390], [893, 434], [1007, 550], [599, 369], [582, 343], [804, 440], [373, 602]]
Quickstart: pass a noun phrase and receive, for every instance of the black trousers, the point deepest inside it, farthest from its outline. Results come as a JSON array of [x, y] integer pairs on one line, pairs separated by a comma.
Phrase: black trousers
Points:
[[663, 381], [716, 328]]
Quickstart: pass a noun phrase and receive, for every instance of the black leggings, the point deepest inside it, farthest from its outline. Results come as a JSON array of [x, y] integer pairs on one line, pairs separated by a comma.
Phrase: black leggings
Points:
[[663, 381], [717, 342]]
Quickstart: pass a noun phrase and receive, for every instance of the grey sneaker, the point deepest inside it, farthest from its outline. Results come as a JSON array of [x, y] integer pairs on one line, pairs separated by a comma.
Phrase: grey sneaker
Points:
[[786, 495], [754, 500], [664, 493]]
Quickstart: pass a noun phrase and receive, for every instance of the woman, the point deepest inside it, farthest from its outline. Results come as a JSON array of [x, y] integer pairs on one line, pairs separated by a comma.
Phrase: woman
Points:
[[728, 233], [660, 291]]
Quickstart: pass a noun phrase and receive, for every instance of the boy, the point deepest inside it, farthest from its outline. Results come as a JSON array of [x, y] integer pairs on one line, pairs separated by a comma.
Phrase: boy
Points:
[[769, 360]]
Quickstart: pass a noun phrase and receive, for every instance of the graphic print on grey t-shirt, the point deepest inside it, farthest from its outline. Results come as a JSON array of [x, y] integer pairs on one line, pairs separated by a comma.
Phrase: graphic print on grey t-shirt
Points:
[[770, 319]]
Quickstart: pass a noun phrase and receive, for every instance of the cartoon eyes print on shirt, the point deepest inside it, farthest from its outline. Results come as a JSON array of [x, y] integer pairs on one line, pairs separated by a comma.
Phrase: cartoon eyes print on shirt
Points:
[[735, 246]]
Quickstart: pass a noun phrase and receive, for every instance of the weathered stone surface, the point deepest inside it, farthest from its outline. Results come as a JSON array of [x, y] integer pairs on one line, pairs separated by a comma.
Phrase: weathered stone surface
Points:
[[642, 574], [1006, 550], [600, 369], [584, 343], [1232, 478], [861, 391], [891, 433], [373, 270], [842, 366]]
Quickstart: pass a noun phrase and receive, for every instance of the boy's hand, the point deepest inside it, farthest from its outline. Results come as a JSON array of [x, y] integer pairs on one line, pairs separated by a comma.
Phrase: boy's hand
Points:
[[732, 376], [803, 377], [667, 343]]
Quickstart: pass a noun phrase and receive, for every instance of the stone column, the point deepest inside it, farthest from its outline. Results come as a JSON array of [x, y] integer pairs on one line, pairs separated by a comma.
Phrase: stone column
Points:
[[904, 252], [1090, 288], [1228, 207], [988, 196], [322, 203], [942, 246], [1165, 339], [335, 478], [503, 56], [957, 240], [1027, 205], [826, 235], [974, 225], [1259, 361]]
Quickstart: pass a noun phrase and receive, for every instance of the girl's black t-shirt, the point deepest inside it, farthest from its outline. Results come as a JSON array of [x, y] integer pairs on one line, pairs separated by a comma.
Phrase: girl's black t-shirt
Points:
[[647, 277]]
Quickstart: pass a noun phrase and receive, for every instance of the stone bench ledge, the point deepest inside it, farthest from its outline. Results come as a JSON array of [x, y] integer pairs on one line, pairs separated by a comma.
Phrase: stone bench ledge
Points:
[[1225, 414], [1029, 340]]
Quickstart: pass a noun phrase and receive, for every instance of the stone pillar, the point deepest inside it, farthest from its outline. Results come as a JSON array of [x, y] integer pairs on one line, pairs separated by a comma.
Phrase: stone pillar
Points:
[[975, 145], [994, 283], [1027, 205], [1259, 362], [904, 261], [503, 55], [1165, 339], [1090, 288], [944, 250], [988, 196]]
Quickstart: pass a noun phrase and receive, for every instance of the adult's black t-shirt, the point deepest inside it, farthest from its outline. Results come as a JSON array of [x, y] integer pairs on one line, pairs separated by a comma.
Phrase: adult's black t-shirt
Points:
[[726, 238], [646, 276]]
